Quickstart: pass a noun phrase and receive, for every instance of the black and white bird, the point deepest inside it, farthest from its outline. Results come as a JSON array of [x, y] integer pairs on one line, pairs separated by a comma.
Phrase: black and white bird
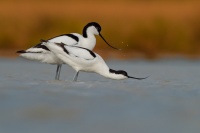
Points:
[[83, 59], [87, 40]]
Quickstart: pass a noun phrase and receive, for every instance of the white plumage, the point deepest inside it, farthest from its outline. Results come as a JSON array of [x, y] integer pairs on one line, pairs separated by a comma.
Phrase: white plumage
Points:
[[42, 54], [82, 59]]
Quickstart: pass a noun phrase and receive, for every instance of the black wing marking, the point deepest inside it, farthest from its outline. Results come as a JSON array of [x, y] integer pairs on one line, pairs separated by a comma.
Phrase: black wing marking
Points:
[[36, 46], [62, 46], [73, 36], [41, 46], [92, 53], [69, 35], [45, 48], [21, 51]]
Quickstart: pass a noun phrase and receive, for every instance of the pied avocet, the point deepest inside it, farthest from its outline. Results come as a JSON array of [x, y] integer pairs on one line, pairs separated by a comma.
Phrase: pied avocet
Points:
[[83, 59], [41, 53]]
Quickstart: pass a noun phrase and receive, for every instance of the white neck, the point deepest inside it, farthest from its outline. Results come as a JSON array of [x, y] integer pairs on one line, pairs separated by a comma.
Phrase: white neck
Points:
[[104, 70], [89, 42]]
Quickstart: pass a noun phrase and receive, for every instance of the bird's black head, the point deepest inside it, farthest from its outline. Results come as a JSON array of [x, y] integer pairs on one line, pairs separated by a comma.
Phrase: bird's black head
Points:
[[95, 24], [122, 72], [96, 32]]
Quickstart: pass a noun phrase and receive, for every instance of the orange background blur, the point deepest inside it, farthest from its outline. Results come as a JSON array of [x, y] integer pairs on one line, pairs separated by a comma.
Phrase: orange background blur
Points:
[[149, 28]]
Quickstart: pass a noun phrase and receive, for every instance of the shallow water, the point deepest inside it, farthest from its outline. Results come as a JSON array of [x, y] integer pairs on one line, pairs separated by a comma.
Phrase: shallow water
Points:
[[31, 101]]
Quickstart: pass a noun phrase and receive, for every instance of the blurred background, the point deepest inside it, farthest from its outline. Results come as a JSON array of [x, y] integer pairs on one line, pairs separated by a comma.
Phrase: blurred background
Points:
[[142, 28], [159, 38]]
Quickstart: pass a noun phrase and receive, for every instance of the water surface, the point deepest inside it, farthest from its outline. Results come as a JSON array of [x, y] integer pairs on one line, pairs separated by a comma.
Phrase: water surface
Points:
[[167, 102]]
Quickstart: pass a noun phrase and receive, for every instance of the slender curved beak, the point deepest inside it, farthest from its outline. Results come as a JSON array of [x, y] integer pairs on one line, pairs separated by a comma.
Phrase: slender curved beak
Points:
[[137, 78], [107, 42]]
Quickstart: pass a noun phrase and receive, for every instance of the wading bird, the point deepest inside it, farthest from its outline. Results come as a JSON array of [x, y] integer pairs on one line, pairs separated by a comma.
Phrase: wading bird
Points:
[[83, 59], [87, 40]]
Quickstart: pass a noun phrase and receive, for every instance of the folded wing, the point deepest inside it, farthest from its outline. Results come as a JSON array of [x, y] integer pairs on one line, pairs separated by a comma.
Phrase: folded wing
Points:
[[77, 52]]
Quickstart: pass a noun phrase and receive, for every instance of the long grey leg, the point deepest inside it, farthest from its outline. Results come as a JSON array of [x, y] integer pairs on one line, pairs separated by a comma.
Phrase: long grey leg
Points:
[[76, 76], [56, 78], [59, 71]]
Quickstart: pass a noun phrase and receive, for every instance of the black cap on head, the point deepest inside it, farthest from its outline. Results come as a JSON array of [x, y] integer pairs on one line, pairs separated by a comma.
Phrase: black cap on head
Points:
[[125, 74], [98, 27], [95, 24], [119, 72]]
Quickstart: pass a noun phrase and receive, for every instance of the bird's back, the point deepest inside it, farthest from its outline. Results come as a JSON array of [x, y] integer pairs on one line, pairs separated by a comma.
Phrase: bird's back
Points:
[[69, 39], [40, 53]]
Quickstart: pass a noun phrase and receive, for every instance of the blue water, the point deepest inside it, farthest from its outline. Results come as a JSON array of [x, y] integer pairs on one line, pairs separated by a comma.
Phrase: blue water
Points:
[[31, 101]]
